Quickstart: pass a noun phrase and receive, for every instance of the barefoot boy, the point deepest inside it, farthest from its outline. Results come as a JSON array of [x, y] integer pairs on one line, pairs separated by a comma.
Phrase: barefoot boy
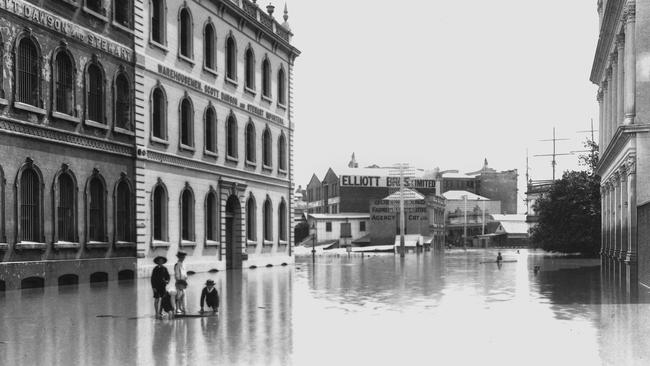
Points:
[[159, 280], [210, 296]]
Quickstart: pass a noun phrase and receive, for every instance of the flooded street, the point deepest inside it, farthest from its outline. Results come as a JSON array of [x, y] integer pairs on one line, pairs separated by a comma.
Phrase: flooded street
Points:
[[420, 310]]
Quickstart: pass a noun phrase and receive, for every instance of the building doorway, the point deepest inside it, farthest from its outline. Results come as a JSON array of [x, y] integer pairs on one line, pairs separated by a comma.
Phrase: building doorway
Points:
[[233, 233]]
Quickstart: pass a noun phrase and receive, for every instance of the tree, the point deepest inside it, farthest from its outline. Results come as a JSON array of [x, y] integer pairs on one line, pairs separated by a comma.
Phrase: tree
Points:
[[301, 231], [569, 213]]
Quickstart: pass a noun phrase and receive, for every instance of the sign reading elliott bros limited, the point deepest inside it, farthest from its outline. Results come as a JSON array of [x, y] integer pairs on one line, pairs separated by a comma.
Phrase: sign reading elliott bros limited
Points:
[[383, 182]]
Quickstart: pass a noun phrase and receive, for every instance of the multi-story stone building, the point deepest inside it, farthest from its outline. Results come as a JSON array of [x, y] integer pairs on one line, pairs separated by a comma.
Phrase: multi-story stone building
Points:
[[213, 133], [618, 69], [67, 187]]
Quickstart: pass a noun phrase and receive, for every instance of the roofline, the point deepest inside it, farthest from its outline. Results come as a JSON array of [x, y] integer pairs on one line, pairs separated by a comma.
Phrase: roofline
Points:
[[612, 14]]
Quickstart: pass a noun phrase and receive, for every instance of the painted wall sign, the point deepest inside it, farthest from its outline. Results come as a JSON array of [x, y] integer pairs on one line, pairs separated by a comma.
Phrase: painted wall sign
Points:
[[390, 182], [58, 24]]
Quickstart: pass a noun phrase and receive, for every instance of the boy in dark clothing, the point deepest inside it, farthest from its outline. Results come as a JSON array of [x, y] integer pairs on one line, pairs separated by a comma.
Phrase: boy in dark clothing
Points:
[[159, 280], [210, 295]]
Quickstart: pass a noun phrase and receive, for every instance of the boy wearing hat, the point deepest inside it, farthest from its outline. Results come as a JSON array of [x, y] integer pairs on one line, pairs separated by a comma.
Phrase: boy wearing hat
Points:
[[180, 274], [159, 281], [210, 295]]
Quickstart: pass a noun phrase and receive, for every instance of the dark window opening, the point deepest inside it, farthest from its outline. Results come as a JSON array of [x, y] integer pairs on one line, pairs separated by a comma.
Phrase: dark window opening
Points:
[[186, 123], [158, 114], [158, 21], [209, 43], [250, 142], [95, 94], [123, 103], [68, 280], [231, 137], [210, 130], [282, 221], [211, 217], [99, 277], [64, 84], [266, 148], [123, 230], [123, 12], [27, 69], [32, 282], [186, 33], [251, 212], [268, 221], [125, 275], [328, 227], [66, 209], [30, 210], [96, 213], [282, 90], [159, 213], [250, 69], [187, 216], [95, 5], [231, 59], [266, 78]]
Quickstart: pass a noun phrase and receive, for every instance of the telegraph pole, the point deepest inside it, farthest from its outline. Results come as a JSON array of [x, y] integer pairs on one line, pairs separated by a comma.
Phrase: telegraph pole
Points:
[[401, 210], [555, 153]]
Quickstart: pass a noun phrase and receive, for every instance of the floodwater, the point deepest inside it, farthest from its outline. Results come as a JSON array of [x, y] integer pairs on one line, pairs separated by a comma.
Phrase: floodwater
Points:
[[447, 309]]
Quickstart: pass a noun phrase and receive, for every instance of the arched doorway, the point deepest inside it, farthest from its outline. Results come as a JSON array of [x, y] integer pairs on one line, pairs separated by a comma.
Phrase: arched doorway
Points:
[[233, 233]]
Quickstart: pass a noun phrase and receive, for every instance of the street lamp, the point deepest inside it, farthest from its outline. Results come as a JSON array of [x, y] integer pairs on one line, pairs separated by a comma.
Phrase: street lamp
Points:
[[312, 229]]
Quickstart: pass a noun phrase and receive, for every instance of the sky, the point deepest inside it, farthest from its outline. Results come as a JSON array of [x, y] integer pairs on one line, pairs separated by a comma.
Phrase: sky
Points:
[[442, 83]]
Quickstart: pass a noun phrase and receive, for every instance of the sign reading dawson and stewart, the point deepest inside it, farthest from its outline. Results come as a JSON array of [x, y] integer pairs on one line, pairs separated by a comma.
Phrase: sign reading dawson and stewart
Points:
[[385, 182]]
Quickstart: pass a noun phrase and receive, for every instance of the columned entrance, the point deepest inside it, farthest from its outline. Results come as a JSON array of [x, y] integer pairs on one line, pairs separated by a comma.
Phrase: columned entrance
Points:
[[233, 237]]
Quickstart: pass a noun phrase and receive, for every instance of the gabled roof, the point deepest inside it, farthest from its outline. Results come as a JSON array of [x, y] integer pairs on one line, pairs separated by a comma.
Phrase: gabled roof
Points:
[[512, 227], [330, 176], [458, 195], [409, 195], [339, 216], [314, 180]]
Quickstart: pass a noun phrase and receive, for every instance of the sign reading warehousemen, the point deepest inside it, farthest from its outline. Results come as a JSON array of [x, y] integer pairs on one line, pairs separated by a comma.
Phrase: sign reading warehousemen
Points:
[[63, 26], [391, 182]]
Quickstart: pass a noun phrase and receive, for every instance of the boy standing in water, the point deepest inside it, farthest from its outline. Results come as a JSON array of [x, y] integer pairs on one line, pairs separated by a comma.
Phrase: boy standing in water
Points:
[[159, 280], [180, 274], [210, 295]]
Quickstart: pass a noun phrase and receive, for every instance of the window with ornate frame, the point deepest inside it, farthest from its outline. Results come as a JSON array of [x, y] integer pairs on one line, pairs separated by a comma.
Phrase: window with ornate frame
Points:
[[123, 112], [251, 218], [282, 221], [209, 47], [268, 220], [28, 71], [267, 147], [249, 72], [95, 95], [187, 214], [251, 157], [159, 113], [63, 82], [96, 209], [124, 211], [266, 78], [159, 212], [211, 216], [185, 36], [231, 59], [186, 111], [231, 137], [210, 129], [29, 204], [65, 210], [158, 22]]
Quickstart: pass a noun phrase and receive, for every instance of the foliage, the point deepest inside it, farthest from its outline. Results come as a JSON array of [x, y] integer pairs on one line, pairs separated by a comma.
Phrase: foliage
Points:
[[301, 231], [569, 213]]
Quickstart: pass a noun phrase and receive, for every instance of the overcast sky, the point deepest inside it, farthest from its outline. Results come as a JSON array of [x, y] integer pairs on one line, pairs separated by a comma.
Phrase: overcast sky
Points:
[[441, 83]]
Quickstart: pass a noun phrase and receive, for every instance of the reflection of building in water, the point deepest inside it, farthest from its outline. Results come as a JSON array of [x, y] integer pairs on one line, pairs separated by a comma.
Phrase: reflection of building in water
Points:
[[67, 183], [214, 97]]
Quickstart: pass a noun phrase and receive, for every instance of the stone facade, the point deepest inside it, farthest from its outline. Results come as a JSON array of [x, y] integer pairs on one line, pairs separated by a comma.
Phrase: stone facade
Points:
[[48, 131], [225, 160]]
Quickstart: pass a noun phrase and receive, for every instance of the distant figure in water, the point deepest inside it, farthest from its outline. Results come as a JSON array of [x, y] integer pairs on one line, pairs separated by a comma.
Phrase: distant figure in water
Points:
[[210, 296], [517, 251], [499, 258]]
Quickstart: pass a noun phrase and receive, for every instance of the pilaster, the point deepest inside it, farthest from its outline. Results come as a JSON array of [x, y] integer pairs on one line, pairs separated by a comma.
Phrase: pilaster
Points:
[[632, 251], [630, 62]]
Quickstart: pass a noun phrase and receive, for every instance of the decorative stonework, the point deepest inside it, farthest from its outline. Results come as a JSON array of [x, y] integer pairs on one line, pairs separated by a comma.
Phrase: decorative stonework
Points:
[[629, 14]]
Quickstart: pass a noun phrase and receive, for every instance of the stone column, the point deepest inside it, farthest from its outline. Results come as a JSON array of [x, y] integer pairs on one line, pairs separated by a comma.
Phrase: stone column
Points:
[[612, 230], [616, 212], [605, 130], [614, 94], [620, 97], [608, 243], [630, 62], [603, 229], [631, 210], [601, 116], [624, 215]]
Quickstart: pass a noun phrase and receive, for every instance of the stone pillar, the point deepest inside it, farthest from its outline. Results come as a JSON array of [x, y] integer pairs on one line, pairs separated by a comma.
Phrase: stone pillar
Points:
[[630, 62], [603, 229], [624, 215], [605, 208], [620, 97], [605, 130], [601, 116], [616, 209], [631, 210], [610, 219], [613, 87]]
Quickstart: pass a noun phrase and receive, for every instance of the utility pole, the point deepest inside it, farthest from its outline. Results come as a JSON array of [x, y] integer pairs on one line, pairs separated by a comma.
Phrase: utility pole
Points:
[[555, 153], [527, 180], [465, 221], [483, 220], [401, 210]]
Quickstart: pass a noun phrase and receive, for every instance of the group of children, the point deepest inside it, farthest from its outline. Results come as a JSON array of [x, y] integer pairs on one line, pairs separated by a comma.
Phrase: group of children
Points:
[[172, 301]]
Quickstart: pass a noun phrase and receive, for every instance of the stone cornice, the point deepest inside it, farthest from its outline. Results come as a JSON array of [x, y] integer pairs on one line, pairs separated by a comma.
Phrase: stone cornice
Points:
[[622, 136], [612, 15]]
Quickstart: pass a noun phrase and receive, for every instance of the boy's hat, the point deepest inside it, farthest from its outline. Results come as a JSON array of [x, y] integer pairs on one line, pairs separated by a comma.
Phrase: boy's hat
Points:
[[160, 260], [181, 255], [209, 283], [181, 282]]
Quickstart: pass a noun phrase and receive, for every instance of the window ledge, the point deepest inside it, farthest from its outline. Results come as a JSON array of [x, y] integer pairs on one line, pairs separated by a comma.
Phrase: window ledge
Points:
[[66, 245], [184, 147], [95, 14], [210, 153], [30, 245], [251, 164], [232, 159], [187, 243], [157, 45], [282, 105], [159, 141], [4, 247], [29, 108], [267, 99], [125, 244], [231, 81], [66, 117], [267, 243], [267, 168], [3, 101], [282, 171], [91, 123], [251, 243], [123, 131], [211, 243], [97, 244], [185, 58], [250, 91], [210, 71], [125, 28], [160, 244], [283, 243]]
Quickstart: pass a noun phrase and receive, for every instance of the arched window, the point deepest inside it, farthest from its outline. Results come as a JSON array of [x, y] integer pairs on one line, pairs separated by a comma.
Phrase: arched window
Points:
[[282, 88], [251, 215], [159, 212], [187, 214], [66, 208], [124, 213], [209, 50], [210, 130], [266, 78], [96, 6], [95, 93], [266, 148], [250, 69], [158, 21], [187, 122], [211, 216], [30, 205], [268, 220], [27, 73], [159, 113], [185, 41], [282, 152], [231, 59], [123, 102], [63, 83], [282, 221], [96, 209], [250, 142], [231, 137], [122, 11]]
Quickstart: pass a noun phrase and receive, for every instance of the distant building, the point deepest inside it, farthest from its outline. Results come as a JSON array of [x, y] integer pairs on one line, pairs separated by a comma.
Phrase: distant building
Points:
[[535, 190], [511, 231], [336, 230], [467, 212]]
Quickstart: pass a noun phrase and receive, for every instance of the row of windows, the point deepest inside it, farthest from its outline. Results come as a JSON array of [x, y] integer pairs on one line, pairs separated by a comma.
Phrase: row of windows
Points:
[[186, 51], [28, 90], [159, 198], [328, 226], [186, 131], [30, 207], [122, 10]]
